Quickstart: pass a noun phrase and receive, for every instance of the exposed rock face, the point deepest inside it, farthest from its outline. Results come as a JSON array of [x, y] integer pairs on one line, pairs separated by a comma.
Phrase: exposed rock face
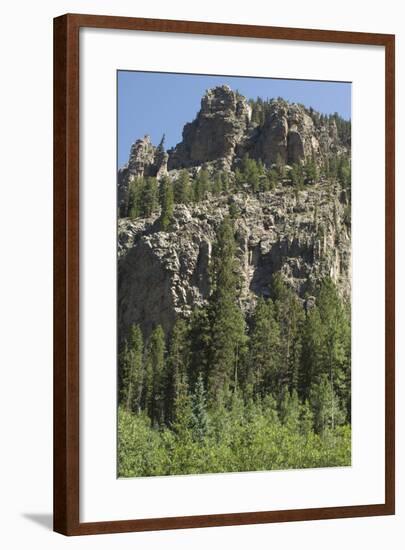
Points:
[[147, 160], [144, 160], [304, 234], [164, 275], [141, 158], [288, 133], [220, 125], [223, 131]]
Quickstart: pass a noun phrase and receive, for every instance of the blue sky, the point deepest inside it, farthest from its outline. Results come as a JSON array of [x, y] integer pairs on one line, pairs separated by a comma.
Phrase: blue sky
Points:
[[161, 103]]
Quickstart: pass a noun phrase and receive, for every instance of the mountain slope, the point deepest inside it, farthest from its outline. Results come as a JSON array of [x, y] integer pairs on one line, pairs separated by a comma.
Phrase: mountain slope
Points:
[[299, 227]]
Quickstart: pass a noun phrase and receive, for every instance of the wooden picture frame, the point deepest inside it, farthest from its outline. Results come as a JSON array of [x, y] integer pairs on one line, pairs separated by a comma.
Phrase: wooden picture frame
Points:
[[67, 283]]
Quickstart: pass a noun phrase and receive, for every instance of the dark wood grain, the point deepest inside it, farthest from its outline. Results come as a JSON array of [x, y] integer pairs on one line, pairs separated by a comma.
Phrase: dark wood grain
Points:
[[66, 273], [59, 288], [66, 276], [390, 274], [226, 29]]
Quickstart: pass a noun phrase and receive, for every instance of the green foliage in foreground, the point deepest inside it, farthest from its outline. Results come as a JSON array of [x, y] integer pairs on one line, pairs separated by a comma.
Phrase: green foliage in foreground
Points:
[[245, 438], [230, 392]]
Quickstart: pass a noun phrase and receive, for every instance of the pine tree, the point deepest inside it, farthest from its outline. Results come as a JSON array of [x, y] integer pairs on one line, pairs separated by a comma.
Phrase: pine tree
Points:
[[306, 419], [264, 183], [202, 185], [297, 175], [161, 156], [225, 181], [336, 342], [262, 117], [160, 149], [290, 316], [344, 172], [332, 167], [199, 339], [251, 172], [155, 376], [312, 341], [132, 377], [135, 197], [264, 349], [182, 418], [149, 197], [280, 165], [177, 367], [217, 185], [239, 180], [124, 386], [272, 177], [234, 210], [166, 200], [182, 188], [199, 418], [325, 406], [227, 336], [326, 346], [311, 171]]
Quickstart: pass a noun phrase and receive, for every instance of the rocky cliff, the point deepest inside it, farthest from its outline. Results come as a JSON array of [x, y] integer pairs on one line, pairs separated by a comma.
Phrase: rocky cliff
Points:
[[221, 124], [304, 233], [165, 274], [224, 131], [144, 160], [288, 133]]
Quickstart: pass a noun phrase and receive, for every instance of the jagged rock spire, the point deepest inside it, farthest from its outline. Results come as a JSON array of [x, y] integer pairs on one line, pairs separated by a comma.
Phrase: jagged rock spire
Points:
[[219, 126], [147, 160]]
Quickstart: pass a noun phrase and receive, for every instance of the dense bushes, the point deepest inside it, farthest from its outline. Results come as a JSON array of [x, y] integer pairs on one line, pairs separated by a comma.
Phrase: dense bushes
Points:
[[243, 438]]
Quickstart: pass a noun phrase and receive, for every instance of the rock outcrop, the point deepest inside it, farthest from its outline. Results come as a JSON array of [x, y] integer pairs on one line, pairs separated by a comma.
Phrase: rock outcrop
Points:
[[147, 160], [144, 160], [165, 274], [223, 131], [288, 134], [220, 125]]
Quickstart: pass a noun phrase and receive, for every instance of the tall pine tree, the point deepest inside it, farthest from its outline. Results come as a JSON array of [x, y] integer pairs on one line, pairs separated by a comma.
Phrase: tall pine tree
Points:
[[176, 368], [199, 340], [182, 188], [199, 418], [149, 197], [227, 323], [132, 377], [290, 316], [312, 341], [336, 346], [166, 200], [264, 350], [135, 192], [155, 376]]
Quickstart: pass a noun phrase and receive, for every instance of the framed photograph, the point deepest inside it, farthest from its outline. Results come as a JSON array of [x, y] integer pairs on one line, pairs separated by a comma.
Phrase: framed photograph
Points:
[[223, 274]]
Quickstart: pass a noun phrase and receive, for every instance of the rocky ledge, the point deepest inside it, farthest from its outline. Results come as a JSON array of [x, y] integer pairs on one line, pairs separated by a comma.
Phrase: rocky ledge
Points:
[[305, 234]]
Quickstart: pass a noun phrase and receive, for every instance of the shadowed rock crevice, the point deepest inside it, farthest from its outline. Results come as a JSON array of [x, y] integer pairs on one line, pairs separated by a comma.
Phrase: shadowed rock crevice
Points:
[[145, 289]]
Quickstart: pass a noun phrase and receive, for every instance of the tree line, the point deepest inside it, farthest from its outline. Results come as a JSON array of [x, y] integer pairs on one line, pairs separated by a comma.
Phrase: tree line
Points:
[[147, 196], [285, 366]]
